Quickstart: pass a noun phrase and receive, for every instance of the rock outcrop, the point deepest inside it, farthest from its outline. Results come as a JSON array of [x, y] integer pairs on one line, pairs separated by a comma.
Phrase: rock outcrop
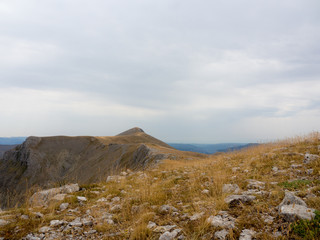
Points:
[[46, 161]]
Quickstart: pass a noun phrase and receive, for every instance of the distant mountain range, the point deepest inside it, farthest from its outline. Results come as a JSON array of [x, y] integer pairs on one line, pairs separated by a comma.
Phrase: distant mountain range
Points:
[[193, 147], [210, 148], [11, 140]]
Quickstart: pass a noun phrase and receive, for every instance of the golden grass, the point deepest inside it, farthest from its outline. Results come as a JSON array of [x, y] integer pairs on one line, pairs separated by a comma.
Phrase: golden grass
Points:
[[180, 183]]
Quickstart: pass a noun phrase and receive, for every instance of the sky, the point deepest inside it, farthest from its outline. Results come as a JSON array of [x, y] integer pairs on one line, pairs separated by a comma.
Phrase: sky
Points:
[[188, 71]]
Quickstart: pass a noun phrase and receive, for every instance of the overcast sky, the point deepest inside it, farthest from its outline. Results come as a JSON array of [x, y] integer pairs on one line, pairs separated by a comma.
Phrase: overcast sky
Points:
[[204, 71]]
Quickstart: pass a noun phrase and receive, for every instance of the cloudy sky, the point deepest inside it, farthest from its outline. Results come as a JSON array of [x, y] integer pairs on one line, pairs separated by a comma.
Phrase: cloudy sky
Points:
[[183, 70]]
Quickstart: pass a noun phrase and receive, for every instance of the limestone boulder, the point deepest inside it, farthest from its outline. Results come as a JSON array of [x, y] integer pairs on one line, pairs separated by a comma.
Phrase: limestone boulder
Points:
[[42, 198]]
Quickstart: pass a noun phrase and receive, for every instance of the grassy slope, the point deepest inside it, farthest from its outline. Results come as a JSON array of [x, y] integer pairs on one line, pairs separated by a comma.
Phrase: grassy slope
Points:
[[180, 184]]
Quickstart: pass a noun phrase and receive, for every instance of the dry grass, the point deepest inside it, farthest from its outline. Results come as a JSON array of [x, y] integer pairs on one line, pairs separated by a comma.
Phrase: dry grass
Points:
[[180, 183]]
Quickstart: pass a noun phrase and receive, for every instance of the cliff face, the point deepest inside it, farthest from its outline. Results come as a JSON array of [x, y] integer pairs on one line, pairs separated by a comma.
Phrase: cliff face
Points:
[[50, 161]]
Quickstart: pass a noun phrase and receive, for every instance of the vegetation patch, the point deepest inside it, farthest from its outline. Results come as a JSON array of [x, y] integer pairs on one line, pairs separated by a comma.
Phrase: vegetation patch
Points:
[[305, 229], [294, 185]]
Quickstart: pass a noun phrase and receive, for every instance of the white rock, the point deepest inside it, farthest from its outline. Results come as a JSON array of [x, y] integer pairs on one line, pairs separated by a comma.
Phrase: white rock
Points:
[[293, 211], [102, 200], [151, 225], [290, 198], [247, 234], [308, 158], [115, 208], [233, 200], [224, 220], [254, 184], [294, 166], [169, 235], [38, 215], [205, 191], [164, 209], [230, 188], [115, 199], [24, 217], [55, 223], [196, 216], [42, 198], [221, 235], [3, 222], [87, 222], [76, 223], [45, 229], [63, 206], [81, 199], [162, 229]]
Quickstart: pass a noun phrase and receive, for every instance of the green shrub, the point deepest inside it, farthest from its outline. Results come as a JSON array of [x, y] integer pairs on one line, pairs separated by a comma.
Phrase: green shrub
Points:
[[296, 184], [307, 229]]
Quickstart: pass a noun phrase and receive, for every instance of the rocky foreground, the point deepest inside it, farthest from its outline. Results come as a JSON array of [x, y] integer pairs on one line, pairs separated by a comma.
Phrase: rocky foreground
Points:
[[270, 191]]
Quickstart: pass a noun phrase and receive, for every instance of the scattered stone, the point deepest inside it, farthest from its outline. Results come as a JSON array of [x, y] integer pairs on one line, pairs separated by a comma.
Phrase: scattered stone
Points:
[[3, 222], [196, 216], [221, 235], [275, 169], [116, 208], [76, 223], [165, 209], [290, 198], [293, 211], [223, 220], [235, 169], [115, 199], [256, 192], [309, 171], [24, 217], [268, 219], [294, 166], [308, 158], [205, 191], [45, 229], [151, 225], [55, 223], [59, 197], [254, 184], [38, 215], [102, 200], [169, 235], [277, 234], [161, 229], [63, 206], [81, 199], [123, 174], [87, 222], [247, 234], [234, 200], [42, 198], [230, 188]]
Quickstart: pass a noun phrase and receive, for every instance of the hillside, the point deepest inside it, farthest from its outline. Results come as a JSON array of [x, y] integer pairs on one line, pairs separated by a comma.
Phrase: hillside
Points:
[[4, 148], [50, 161], [270, 191]]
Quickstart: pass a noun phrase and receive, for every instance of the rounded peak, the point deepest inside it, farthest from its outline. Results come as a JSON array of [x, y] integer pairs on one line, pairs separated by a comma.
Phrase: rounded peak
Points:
[[131, 131]]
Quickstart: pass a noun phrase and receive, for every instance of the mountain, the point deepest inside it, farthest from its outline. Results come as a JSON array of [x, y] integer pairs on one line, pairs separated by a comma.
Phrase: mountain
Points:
[[210, 148], [12, 140], [4, 148], [48, 161]]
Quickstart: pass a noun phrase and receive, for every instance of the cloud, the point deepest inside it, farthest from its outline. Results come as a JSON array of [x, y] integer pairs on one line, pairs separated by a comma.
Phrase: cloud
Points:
[[182, 70]]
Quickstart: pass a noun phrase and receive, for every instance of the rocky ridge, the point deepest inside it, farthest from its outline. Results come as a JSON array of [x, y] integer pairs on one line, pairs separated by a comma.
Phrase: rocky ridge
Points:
[[251, 194], [45, 162]]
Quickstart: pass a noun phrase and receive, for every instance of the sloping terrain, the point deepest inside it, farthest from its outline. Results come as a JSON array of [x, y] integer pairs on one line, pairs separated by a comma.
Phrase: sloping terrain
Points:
[[4, 148], [270, 191], [50, 161]]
